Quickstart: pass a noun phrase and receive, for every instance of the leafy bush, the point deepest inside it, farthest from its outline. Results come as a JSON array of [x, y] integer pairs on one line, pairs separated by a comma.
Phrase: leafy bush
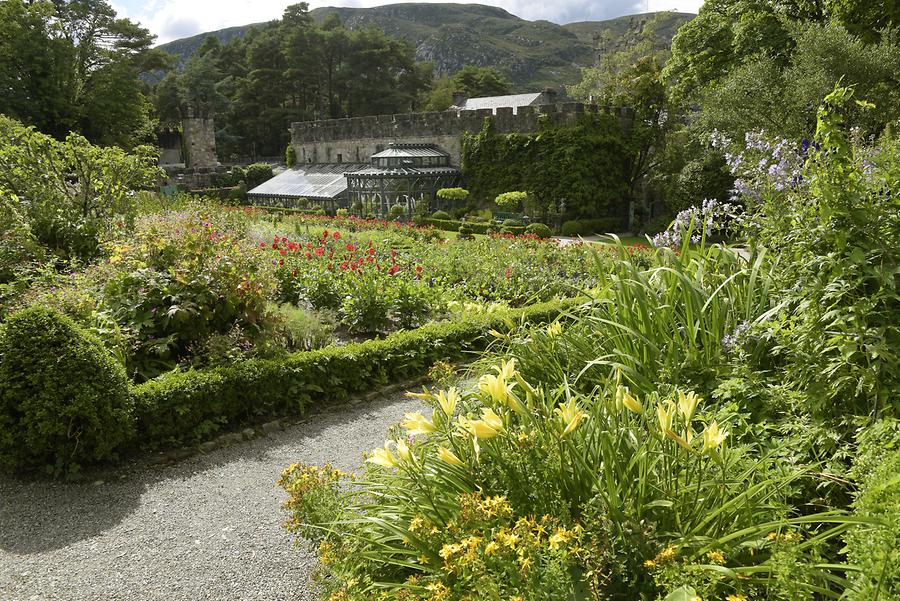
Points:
[[457, 194], [538, 229], [512, 223], [342, 213], [511, 201], [191, 406], [18, 247], [396, 211], [290, 156], [441, 215], [63, 400], [875, 548], [499, 490], [466, 232], [572, 228], [257, 173]]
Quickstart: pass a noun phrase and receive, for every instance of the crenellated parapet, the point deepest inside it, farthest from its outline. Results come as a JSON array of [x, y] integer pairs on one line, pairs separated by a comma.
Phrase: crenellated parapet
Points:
[[356, 139]]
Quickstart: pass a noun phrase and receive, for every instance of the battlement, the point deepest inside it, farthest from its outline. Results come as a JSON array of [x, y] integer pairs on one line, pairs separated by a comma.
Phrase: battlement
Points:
[[524, 119]]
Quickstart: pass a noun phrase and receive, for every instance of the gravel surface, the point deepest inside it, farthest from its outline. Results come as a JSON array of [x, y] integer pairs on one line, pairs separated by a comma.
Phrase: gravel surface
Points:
[[208, 527]]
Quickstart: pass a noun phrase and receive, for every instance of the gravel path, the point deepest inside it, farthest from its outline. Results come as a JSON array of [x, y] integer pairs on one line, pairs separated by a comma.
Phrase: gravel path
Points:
[[208, 527]]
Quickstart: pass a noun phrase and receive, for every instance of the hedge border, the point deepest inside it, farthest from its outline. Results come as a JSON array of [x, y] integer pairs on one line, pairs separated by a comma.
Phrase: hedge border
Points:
[[191, 407], [477, 227]]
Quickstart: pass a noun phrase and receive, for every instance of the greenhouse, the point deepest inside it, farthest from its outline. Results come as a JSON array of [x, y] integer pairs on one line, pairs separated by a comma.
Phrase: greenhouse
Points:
[[404, 175]]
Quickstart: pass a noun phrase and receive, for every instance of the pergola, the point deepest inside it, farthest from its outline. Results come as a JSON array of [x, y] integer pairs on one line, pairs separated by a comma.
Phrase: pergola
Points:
[[404, 174]]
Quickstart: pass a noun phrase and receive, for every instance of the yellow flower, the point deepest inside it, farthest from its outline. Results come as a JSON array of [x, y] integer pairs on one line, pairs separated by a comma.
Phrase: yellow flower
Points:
[[664, 413], [499, 391], [507, 369], [713, 437], [448, 400], [488, 427], [666, 554], [554, 329], [687, 404], [491, 548], [631, 403], [649, 564], [571, 416], [419, 395], [416, 423], [716, 557], [560, 537], [679, 440], [448, 456], [736, 598], [403, 452], [383, 456]]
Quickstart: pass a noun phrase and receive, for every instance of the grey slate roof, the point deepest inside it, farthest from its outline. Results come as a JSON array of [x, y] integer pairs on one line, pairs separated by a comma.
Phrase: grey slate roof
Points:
[[317, 181], [404, 171], [495, 102], [410, 150]]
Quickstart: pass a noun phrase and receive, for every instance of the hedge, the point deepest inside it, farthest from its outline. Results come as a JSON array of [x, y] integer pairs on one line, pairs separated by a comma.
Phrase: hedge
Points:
[[452, 225], [188, 407], [589, 227]]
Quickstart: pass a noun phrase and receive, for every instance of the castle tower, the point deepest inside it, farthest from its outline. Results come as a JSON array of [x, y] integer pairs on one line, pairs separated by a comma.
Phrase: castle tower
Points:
[[199, 141]]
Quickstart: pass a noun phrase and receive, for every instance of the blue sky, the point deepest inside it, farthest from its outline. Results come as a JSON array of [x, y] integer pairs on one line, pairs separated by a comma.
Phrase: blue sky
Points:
[[172, 19]]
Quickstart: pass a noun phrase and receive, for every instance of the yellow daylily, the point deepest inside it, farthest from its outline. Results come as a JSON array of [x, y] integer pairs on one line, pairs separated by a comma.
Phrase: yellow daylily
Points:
[[554, 329], [492, 419], [713, 437], [571, 416], [687, 404], [449, 456], [419, 395], [488, 426], [684, 443], [403, 451], [664, 413], [447, 400], [416, 423], [631, 403], [383, 456], [495, 387], [507, 369]]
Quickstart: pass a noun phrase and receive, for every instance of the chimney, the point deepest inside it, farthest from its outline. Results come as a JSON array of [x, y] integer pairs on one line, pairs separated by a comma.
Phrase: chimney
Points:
[[459, 98]]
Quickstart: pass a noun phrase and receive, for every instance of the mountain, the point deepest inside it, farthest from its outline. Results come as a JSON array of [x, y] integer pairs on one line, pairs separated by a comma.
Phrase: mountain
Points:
[[532, 54]]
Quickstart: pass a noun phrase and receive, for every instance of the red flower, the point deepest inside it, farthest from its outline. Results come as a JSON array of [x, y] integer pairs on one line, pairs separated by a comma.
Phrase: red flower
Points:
[[308, 255], [263, 245], [394, 269], [344, 265], [320, 252], [370, 251], [508, 272], [281, 262], [336, 235], [350, 247]]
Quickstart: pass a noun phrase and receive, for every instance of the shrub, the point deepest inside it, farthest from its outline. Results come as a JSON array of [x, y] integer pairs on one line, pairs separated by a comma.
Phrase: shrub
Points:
[[290, 156], [18, 246], [396, 211], [63, 399], [342, 213], [257, 173], [465, 232], [191, 406], [512, 223], [538, 229], [511, 201], [442, 215], [572, 229], [875, 548], [457, 194]]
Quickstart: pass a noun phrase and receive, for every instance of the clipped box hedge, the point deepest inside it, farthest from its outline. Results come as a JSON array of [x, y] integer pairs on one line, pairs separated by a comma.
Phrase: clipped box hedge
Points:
[[189, 407], [453, 225]]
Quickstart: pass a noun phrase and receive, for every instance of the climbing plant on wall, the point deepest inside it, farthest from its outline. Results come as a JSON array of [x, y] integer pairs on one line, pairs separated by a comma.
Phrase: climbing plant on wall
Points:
[[576, 169]]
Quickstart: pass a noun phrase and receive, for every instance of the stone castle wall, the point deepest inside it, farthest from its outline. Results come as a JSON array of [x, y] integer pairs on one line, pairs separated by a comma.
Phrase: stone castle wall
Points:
[[356, 139], [199, 142]]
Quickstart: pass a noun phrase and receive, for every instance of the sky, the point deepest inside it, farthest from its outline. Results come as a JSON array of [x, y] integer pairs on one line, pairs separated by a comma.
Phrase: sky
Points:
[[173, 19]]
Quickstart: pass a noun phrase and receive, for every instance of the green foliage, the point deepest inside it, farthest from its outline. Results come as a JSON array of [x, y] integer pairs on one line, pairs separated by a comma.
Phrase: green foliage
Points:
[[466, 232], [457, 194], [582, 166], [188, 407], [396, 211], [257, 173], [440, 216], [473, 81], [75, 66], [18, 247], [538, 229], [290, 156], [63, 400], [72, 193], [838, 331], [511, 201], [875, 548]]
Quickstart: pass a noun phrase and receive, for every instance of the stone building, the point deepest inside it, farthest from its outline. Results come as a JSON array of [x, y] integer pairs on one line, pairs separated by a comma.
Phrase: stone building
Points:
[[353, 142]]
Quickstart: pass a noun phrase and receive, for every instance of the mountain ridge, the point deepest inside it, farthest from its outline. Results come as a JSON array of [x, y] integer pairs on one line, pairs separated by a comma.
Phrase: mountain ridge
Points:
[[532, 54]]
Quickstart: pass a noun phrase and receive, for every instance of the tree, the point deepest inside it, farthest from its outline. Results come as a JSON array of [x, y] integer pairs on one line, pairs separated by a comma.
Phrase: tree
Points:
[[473, 81], [74, 66], [70, 190]]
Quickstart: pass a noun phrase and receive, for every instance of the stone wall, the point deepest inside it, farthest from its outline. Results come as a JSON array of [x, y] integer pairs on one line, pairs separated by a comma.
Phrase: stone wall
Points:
[[199, 142], [356, 139]]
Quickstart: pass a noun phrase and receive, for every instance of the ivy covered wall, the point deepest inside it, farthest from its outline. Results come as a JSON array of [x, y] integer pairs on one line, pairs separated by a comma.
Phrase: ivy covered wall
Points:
[[580, 168]]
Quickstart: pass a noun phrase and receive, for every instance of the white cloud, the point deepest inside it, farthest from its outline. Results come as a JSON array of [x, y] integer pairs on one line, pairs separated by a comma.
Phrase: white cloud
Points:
[[172, 19]]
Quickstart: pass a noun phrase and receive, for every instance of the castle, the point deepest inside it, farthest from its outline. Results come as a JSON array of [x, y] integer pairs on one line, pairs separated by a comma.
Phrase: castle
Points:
[[322, 146]]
